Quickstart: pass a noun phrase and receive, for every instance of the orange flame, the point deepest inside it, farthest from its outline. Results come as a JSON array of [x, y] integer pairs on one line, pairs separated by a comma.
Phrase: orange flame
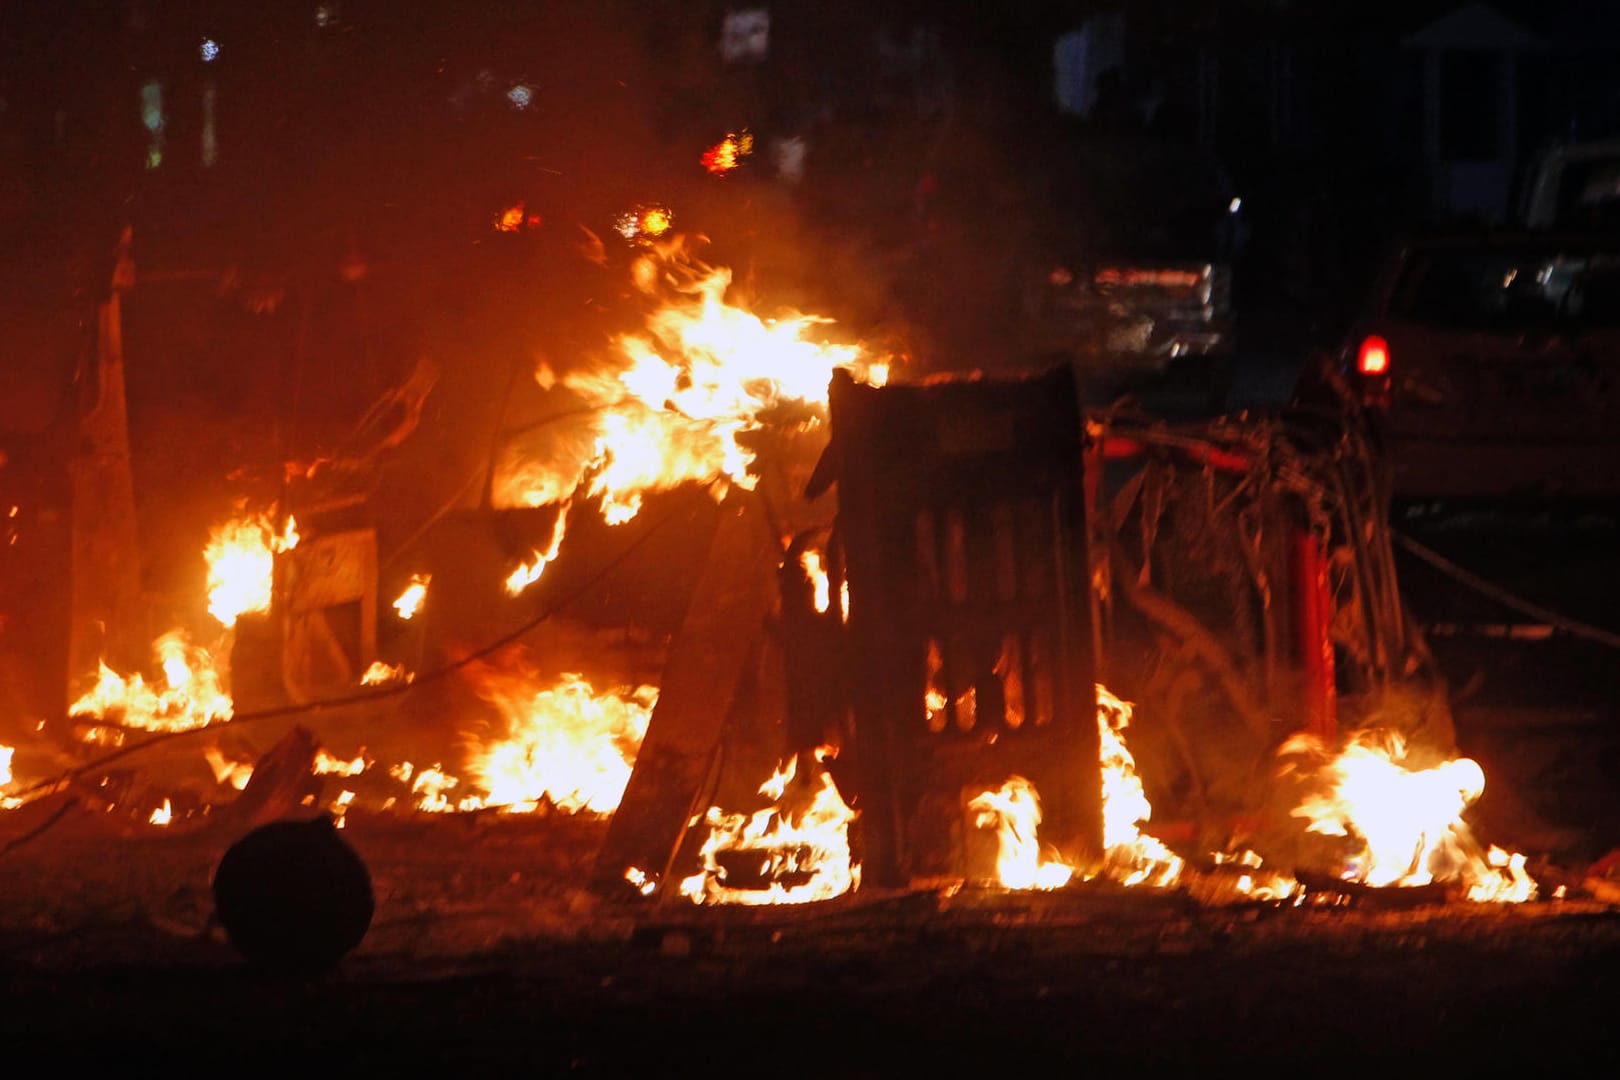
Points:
[[565, 743], [529, 572], [1014, 811], [235, 773], [163, 815], [1253, 880], [644, 222], [7, 802], [728, 153], [241, 564], [801, 844], [339, 806], [816, 574], [433, 786], [410, 601], [1402, 826], [381, 674], [194, 696], [1131, 855], [510, 219], [671, 408], [328, 764]]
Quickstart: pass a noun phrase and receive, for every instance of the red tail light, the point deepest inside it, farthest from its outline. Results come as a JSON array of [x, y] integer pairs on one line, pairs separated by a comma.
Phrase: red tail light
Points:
[[1373, 356]]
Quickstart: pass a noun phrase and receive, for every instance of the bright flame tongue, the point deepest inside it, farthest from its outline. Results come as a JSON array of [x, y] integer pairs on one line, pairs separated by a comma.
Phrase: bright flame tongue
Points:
[[801, 844], [1405, 825], [1135, 858], [410, 601], [673, 406], [7, 802], [195, 695], [566, 743], [1130, 856], [241, 562], [1014, 811]]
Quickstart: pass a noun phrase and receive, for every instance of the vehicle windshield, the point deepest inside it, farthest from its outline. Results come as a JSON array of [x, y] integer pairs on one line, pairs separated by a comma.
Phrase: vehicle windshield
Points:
[[1498, 289]]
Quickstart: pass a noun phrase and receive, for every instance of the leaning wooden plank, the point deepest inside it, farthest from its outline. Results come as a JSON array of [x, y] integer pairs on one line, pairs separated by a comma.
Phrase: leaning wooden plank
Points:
[[707, 658], [283, 784]]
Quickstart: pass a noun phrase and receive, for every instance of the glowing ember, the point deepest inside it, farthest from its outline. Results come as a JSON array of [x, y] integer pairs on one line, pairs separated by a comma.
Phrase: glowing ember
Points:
[[644, 222], [565, 743], [410, 601], [528, 573], [934, 693], [163, 814], [1014, 812], [381, 674], [1402, 826], [235, 773], [816, 574], [800, 845], [510, 220], [241, 563], [727, 154], [194, 695], [1131, 856]]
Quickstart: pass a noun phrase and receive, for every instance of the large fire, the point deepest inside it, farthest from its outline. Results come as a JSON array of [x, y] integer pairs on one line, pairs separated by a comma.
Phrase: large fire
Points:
[[676, 402], [193, 695], [797, 849], [241, 561], [1401, 825], [566, 743]]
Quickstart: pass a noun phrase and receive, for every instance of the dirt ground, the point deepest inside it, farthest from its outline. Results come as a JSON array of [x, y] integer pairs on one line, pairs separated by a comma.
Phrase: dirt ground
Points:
[[487, 948]]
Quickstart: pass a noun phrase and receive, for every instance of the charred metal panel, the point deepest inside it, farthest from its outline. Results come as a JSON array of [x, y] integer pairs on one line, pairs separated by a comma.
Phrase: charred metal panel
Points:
[[962, 517]]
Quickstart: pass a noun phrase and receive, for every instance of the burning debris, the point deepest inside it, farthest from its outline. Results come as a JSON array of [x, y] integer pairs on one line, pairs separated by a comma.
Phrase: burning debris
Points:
[[194, 695], [566, 744], [725, 155], [795, 851], [1400, 825], [644, 223], [1132, 856], [1014, 812], [678, 402]]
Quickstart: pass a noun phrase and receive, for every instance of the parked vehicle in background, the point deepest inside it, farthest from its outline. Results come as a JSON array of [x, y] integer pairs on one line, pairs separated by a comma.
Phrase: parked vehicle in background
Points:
[[1137, 289], [1490, 364], [1573, 186]]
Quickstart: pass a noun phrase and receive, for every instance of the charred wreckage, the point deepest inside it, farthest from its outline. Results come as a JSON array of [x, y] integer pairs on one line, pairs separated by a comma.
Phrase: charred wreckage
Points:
[[967, 626]]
